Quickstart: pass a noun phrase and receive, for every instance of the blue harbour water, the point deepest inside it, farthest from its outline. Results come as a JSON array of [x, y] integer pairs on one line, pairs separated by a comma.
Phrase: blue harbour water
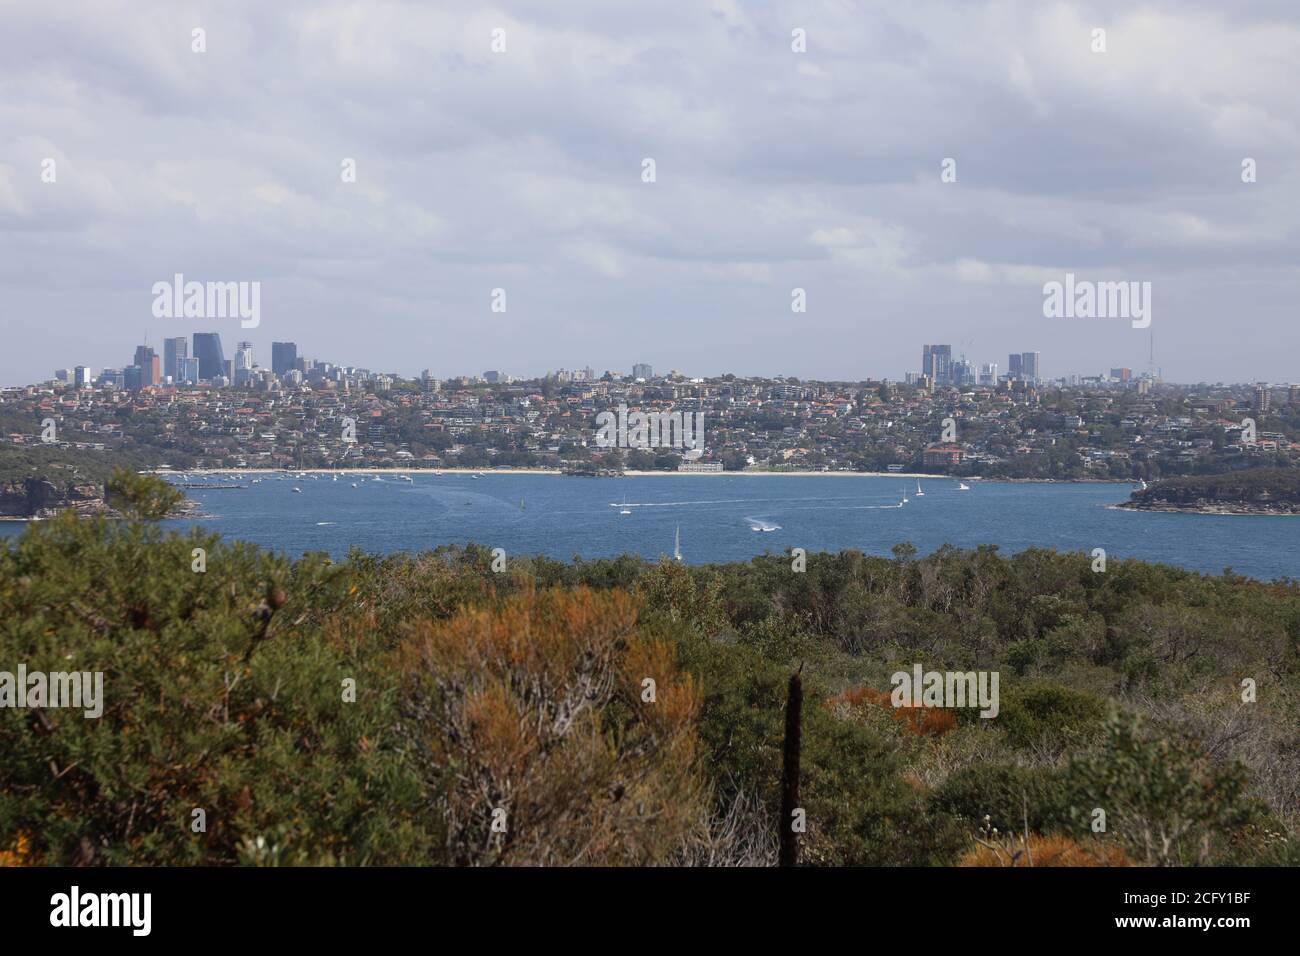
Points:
[[727, 518]]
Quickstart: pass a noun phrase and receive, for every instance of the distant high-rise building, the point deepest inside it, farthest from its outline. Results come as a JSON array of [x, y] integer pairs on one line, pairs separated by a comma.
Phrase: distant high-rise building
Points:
[[284, 357], [63, 375], [493, 377], [989, 373], [1293, 395], [1263, 398], [189, 370], [111, 378], [82, 375], [641, 370], [242, 365], [149, 368], [1029, 366], [1013, 366], [1121, 374], [936, 362], [174, 352], [207, 349], [131, 377]]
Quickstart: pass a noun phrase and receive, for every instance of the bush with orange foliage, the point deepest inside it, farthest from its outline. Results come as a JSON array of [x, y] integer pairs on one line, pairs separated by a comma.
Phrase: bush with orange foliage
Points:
[[925, 721], [1050, 850], [537, 706], [20, 854]]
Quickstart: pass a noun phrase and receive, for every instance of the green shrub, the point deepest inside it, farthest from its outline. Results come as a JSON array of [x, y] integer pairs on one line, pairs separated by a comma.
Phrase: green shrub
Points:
[[1044, 714], [1007, 794]]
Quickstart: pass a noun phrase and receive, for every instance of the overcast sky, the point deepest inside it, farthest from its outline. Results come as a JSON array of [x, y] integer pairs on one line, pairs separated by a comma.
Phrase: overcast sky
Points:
[[522, 170]]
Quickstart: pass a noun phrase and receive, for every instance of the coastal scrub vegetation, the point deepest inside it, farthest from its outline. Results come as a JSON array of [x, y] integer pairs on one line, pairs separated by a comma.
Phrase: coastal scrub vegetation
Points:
[[424, 710], [1262, 490]]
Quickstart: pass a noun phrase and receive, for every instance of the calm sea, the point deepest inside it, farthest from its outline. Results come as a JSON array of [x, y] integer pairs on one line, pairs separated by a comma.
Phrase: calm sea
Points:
[[728, 518]]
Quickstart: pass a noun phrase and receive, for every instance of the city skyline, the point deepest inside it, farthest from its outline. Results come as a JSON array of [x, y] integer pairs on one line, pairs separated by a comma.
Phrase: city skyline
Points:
[[284, 356], [387, 193]]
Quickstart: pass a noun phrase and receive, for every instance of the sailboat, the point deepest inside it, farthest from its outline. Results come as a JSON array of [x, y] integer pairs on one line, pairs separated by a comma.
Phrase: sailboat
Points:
[[521, 504], [962, 486], [904, 494], [919, 492], [677, 544]]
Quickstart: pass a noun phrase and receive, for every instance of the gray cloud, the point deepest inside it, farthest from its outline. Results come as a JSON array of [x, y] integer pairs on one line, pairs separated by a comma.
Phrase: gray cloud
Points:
[[522, 170]]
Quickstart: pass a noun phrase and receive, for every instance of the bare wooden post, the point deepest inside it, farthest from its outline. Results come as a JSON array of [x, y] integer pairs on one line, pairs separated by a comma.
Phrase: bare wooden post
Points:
[[790, 771]]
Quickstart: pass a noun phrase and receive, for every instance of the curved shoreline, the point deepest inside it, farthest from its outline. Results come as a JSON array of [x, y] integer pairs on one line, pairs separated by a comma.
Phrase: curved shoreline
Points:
[[1222, 511], [929, 476]]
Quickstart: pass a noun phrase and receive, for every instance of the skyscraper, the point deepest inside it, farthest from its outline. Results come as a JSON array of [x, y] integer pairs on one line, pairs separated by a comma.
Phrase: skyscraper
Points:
[[961, 373], [936, 362], [1013, 366], [189, 370], [174, 352], [641, 370], [243, 364], [148, 362], [207, 349], [284, 357], [1029, 366]]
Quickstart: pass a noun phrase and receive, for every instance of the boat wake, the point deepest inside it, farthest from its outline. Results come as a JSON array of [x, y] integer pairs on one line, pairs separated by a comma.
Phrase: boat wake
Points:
[[758, 524]]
